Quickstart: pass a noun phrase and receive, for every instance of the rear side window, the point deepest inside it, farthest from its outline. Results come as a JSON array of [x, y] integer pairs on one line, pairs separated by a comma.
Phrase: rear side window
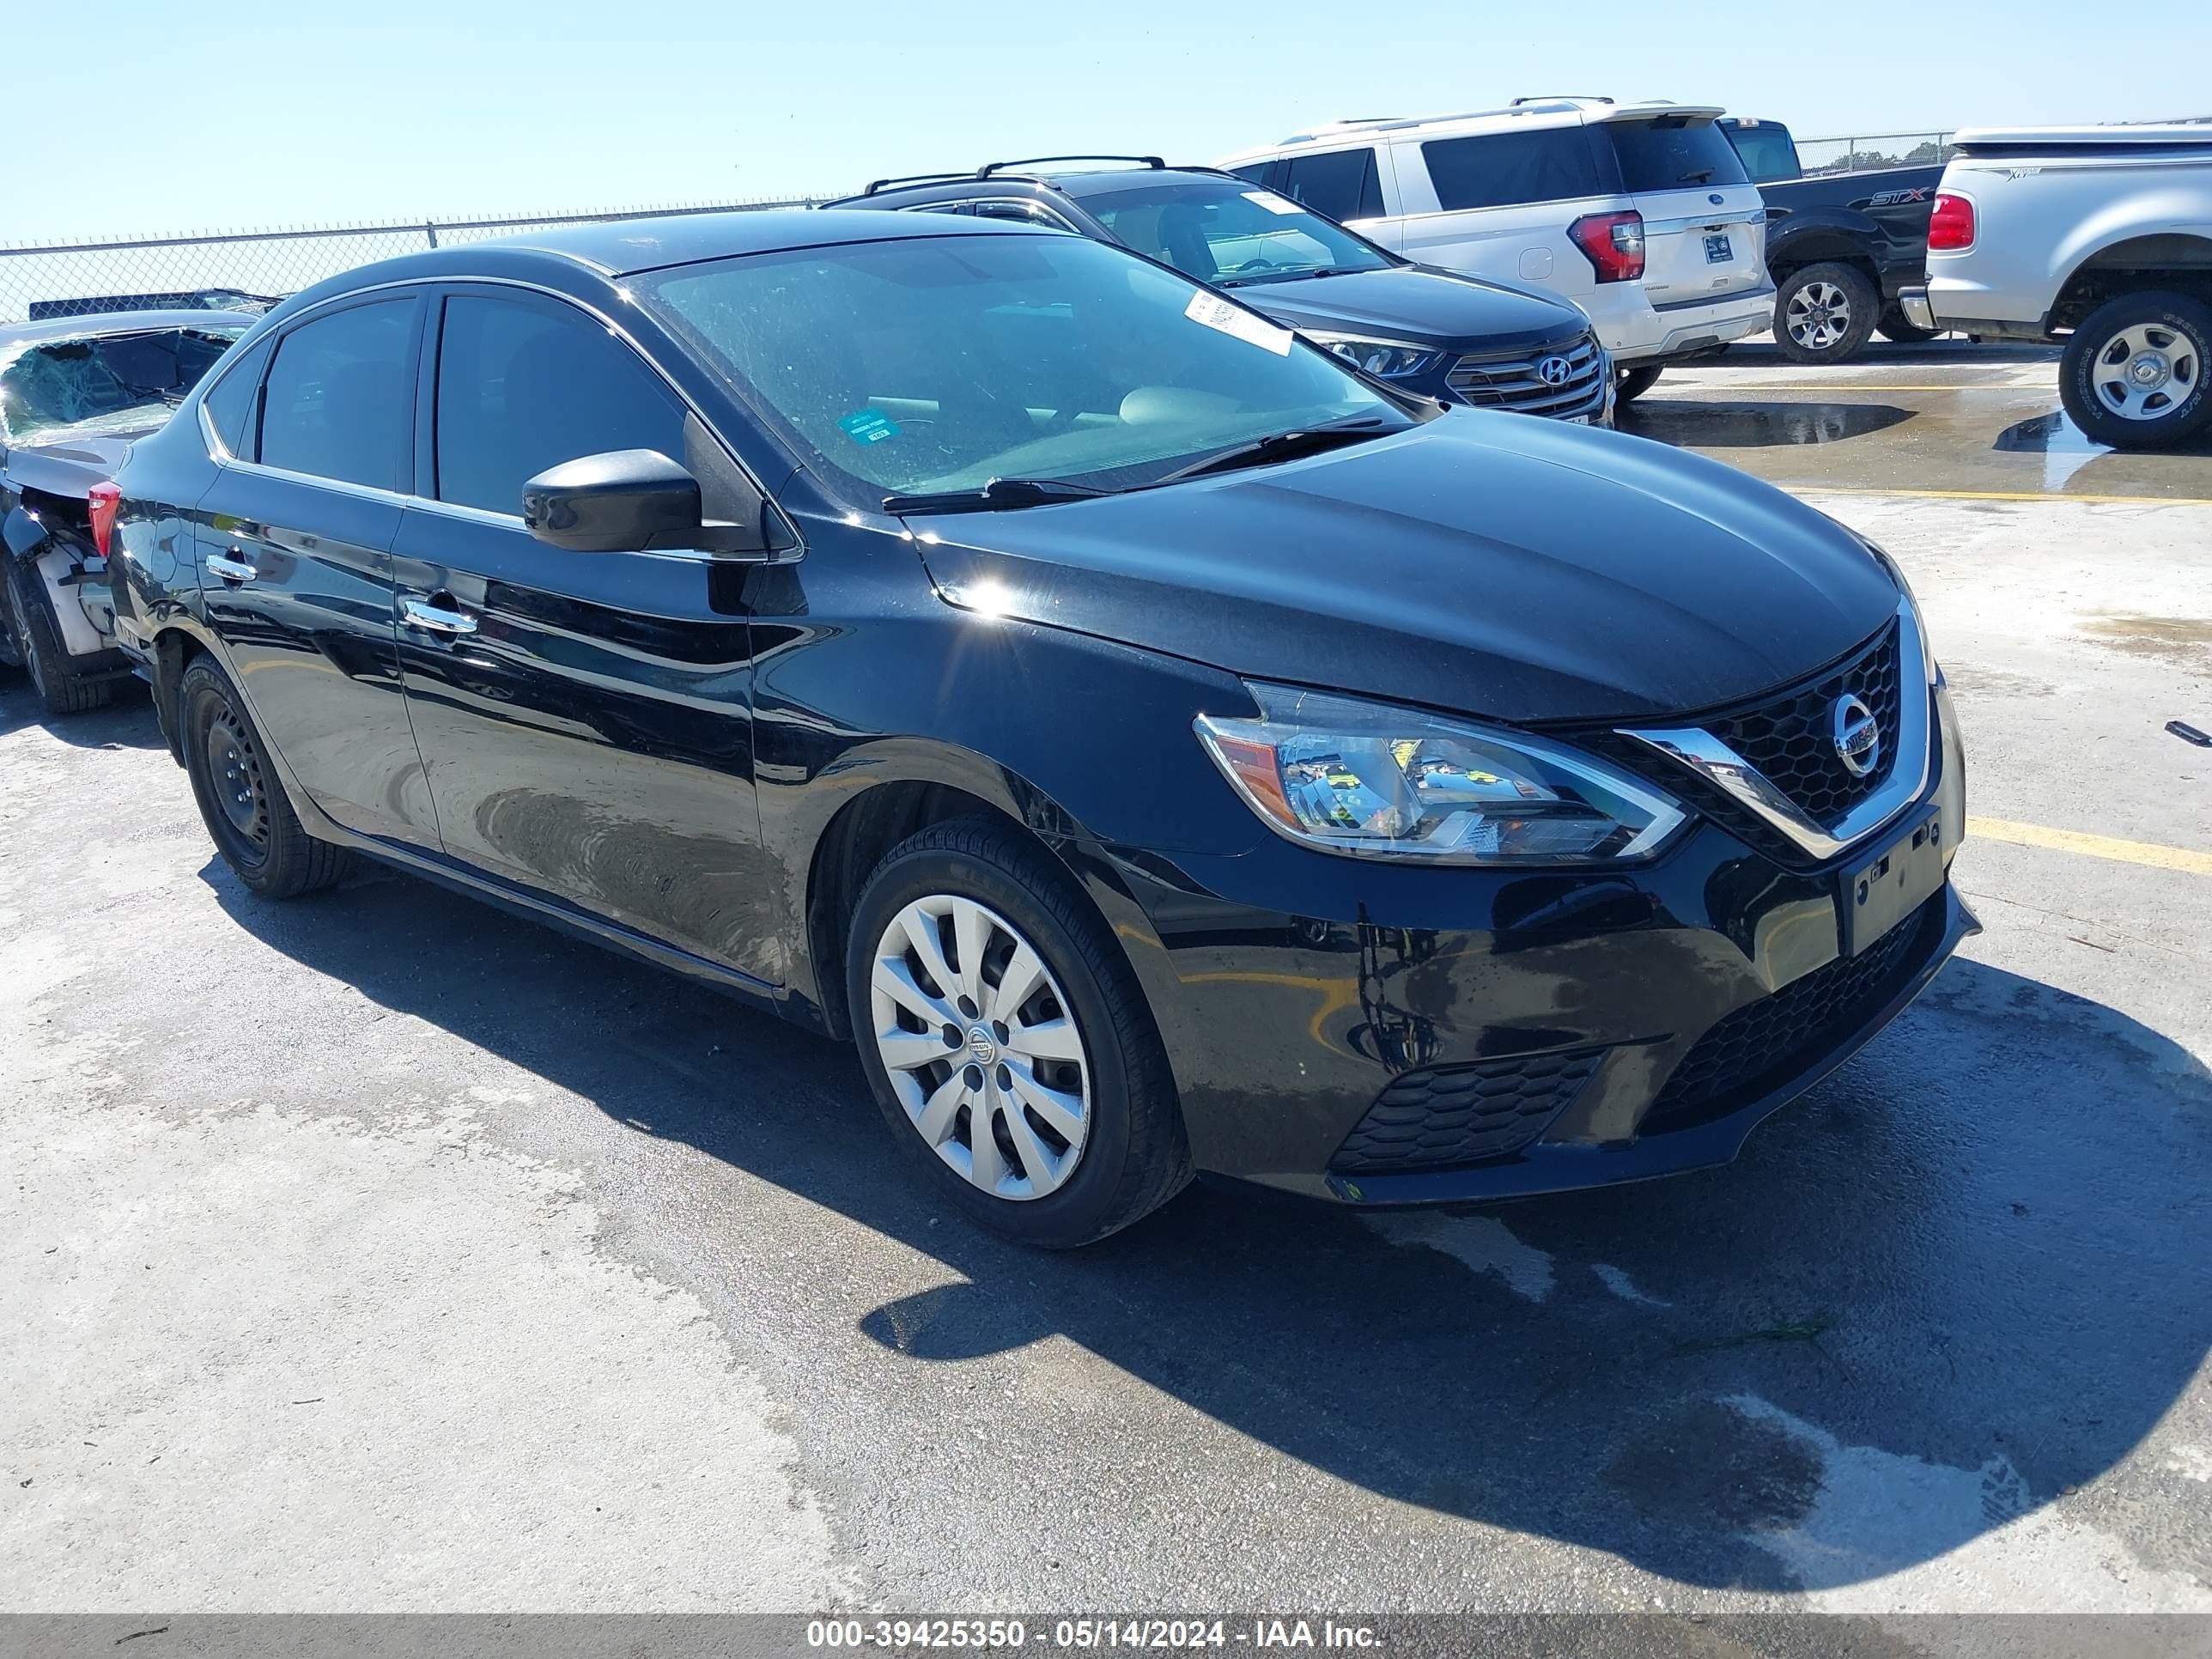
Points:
[[1506, 169], [1672, 154], [523, 386], [1342, 185], [230, 402], [341, 397]]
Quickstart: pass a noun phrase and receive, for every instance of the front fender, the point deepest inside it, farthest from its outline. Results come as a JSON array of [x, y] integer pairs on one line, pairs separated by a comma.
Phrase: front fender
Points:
[[21, 532]]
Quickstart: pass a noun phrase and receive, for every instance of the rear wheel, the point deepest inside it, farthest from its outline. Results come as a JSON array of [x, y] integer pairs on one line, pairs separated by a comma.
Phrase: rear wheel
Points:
[[2134, 375], [1823, 313], [37, 646], [240, 800], [1006, 1040], [1633, 383], [1893, 326]]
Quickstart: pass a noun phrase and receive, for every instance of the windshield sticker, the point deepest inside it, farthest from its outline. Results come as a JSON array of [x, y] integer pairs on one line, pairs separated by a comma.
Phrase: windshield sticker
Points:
[[1235, 321], [1273, 203], [869, 426]]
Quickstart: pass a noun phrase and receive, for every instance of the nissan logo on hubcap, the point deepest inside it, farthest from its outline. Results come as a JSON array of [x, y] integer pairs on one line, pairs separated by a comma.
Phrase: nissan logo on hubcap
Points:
[[1858, 735], [981, 1046], [1555, 371]]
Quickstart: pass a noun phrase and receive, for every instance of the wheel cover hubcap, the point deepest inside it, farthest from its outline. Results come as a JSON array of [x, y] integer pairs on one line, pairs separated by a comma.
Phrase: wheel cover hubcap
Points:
[[234, 769], [980, 1047], [2146, 372], [1818, 315]]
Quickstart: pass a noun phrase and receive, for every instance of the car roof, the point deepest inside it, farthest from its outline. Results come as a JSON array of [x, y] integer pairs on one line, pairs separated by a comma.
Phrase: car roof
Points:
[[1522, 112], [1076, 183], [99, 324]]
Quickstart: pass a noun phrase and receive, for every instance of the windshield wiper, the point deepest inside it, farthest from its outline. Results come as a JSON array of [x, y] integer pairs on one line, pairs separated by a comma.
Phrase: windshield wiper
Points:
[[1286, 275], [1279, 446], [993, 494], [1697, 178]]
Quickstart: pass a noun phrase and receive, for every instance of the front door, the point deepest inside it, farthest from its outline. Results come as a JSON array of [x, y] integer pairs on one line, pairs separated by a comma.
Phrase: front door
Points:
[[584, 717], [295, 542]]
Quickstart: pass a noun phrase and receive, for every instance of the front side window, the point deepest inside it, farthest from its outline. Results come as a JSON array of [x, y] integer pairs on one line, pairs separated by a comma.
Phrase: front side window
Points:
[[103, 383], [523, 386], [1228, 233], [1510, 169], [1343, 184], [938, 364], [340, 398]]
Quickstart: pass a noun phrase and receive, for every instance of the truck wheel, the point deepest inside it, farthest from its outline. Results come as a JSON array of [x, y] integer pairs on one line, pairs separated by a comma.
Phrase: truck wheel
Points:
[[38, 646], [1635, 382], [1823, 313], [1893, 327], [2134, 375]]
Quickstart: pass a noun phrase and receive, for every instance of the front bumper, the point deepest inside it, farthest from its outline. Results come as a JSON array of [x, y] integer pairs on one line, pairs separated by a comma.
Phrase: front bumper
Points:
[[1408, 1035]]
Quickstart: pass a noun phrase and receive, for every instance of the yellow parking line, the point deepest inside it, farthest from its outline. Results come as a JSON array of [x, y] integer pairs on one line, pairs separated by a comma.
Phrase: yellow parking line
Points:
[[2184, 859], [1837, 386], [2001, 496]]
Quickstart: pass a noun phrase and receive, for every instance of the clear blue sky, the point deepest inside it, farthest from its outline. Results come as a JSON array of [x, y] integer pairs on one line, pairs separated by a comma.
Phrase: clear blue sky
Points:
[[177, 118]]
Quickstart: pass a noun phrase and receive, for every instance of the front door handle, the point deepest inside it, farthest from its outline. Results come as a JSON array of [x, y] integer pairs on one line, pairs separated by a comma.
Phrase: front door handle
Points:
[[435, 619], [230, 568]]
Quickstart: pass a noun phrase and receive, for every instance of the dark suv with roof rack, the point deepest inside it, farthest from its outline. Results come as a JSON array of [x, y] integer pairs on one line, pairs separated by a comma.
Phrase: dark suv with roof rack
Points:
[[1460, 340]]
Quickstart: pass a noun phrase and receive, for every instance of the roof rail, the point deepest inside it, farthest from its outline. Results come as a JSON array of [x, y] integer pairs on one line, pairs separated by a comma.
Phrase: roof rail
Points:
[[1564, 97], [875, 185], [986, 171]]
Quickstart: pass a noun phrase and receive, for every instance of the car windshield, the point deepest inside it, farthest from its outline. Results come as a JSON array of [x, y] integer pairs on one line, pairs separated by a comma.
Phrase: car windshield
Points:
[[941, 363], [113, 382], [1230, 232]]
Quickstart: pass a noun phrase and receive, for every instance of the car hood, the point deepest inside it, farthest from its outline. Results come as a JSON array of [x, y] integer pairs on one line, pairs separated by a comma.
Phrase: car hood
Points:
[[1522, 569], [1420, 305], [68, 461]]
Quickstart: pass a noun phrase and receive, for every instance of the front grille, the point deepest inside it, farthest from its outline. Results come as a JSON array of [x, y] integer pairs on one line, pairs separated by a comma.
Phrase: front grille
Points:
[[1790, 741], [1766, 1041], [1514, 382], [1447, 1116]]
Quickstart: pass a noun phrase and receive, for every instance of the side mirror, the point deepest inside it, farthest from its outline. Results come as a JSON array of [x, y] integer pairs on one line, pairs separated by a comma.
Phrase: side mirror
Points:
[[627, 501]]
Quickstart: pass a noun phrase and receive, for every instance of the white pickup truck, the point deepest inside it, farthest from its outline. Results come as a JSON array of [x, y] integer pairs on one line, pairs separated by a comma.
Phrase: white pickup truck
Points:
[[2102, 236]]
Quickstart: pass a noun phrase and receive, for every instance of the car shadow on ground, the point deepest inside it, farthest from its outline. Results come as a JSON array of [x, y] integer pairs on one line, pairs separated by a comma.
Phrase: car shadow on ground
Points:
[[127, 722], [1964, 1276], [1743, 424]]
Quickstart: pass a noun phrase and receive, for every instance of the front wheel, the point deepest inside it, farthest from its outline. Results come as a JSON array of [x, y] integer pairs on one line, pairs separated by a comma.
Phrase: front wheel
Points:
[[1823, 313], [1633, 383], [240, 800], [1006, 1040], [2133, 374]]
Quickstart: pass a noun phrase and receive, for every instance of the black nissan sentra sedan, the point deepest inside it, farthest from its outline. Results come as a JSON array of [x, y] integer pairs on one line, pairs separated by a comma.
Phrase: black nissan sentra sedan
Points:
[[1158, 746]]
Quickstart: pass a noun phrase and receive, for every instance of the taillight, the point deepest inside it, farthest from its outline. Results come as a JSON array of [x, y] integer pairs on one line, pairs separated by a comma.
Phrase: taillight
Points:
[[1951, 226], [105, 496], [1614, 243]]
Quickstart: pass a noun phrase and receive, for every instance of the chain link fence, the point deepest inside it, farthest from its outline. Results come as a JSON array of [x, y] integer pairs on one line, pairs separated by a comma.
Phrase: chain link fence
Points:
[[253, 268], [1874, 149]]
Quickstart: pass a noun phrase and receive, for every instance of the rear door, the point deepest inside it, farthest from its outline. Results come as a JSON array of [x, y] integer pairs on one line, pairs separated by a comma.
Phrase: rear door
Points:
[[1704, 223], [295, 539], [584, 717]]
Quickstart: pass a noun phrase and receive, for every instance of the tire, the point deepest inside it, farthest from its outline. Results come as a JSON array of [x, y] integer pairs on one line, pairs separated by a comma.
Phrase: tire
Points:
[[1633, 383], [2154, 332], [1112, 1149], [38, 644], [241, 801], [1823, 313], [1894, 328]]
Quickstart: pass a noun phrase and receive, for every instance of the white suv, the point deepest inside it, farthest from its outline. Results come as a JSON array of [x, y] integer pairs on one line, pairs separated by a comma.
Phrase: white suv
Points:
[[1641, 214]]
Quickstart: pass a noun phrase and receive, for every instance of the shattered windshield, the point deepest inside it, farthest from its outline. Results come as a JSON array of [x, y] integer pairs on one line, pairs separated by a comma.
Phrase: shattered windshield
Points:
[[103, 383]]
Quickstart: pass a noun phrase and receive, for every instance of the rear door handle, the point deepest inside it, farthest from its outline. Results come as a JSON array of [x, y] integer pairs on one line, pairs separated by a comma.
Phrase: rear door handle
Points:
[[230, 568], [435, 619]]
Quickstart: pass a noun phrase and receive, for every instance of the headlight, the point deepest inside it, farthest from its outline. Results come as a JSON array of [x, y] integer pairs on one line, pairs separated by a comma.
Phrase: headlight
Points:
[[1391, 359], [1377, 781]]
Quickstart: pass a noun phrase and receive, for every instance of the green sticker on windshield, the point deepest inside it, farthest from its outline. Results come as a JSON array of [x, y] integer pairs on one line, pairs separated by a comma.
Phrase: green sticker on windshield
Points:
[[869, 426]]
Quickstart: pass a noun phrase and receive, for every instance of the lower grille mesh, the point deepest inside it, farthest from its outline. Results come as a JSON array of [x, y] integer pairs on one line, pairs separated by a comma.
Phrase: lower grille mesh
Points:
[[1444, 1116]]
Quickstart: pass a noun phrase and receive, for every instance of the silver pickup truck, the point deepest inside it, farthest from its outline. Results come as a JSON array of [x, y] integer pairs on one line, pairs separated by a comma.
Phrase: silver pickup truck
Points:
[[2098, 235]]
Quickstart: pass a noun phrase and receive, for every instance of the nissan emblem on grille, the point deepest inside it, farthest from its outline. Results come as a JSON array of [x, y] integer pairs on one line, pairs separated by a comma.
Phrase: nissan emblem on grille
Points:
[[1858, 735], [1555, 371]]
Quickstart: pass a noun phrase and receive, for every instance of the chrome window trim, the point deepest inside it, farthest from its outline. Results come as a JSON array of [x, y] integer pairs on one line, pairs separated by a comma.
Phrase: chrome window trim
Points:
[[1721, 766], [219, 453]]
